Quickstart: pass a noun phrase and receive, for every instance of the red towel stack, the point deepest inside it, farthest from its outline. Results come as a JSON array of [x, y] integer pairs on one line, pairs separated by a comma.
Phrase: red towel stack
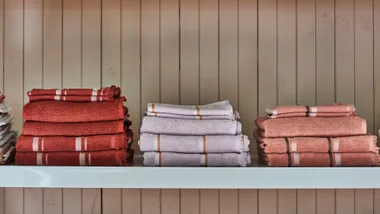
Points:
[[75, 127], [323, 136]]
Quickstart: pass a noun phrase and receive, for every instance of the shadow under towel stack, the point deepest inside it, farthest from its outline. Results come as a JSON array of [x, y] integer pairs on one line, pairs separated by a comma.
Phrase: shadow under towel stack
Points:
[[8, 137], [318, 136], [192, 136], [75, 127]]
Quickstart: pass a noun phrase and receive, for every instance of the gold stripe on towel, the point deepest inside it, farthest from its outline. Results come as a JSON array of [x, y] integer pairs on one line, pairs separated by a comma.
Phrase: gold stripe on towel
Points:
[[153, 108], [204, 144], [155, 114], [160, 159], [206, 160], [158, 143], [200, 117], [198, 111]]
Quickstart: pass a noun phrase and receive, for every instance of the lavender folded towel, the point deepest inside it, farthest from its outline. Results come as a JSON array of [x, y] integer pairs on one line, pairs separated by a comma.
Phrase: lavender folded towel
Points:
[[194, 144], [170, 126], [217, 108], [170, 159], [195, 117]]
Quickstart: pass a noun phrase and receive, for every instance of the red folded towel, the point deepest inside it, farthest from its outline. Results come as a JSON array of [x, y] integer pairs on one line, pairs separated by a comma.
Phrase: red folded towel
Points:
[[75, 94], [320, 159], [103, 158], [311, 127], [74, 129], [362, 143], [72, 144], [56, 111], [333, 110]]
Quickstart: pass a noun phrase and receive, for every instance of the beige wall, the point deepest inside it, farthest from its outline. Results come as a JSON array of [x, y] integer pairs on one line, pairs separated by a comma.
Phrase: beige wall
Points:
[[256, 54]]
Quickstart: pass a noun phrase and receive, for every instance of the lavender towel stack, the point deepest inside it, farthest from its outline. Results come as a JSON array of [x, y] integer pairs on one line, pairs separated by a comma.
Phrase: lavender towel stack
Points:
[[193, 136]]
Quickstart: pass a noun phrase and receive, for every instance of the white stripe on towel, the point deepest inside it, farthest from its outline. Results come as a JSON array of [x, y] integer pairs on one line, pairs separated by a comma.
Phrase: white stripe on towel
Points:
[[78, 144], [296, 159], [82, 160], [39, 159], [337, 159], [35, 144]]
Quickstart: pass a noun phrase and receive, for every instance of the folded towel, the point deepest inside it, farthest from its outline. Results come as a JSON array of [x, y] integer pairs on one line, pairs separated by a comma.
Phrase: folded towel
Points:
[[102, 158], [8, 155], [217, 108], [5, 108], [170, 126], [194, 144], [9, 137], [195, 117], [75, 94], [196, 160], [5, 119], [72, 144], [362, 143], [320, 159], [4, 130], [333, 110], [55, 111], [73, 129], [311, 127]]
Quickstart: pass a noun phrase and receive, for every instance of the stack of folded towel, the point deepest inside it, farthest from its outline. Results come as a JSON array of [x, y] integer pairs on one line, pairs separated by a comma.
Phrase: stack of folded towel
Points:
[[206, 135], [72, 127], [8, 137], [324, 136]]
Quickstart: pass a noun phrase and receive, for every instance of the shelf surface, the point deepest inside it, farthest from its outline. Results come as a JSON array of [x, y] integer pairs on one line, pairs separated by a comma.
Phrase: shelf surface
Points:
[[252, 177]]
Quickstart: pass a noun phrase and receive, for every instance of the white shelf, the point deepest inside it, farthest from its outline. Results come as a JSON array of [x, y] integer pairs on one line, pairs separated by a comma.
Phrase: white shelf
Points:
[[185, 178]]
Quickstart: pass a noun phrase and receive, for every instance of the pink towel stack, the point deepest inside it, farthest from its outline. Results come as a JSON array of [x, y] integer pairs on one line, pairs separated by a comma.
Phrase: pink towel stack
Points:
[[314, 136]]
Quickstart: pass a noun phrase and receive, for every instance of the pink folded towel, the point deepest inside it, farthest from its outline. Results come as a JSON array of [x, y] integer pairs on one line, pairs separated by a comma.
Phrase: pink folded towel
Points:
[[333, 110], [194, 144], [196, 160], [311, 127], [362, 143], [320, 159]]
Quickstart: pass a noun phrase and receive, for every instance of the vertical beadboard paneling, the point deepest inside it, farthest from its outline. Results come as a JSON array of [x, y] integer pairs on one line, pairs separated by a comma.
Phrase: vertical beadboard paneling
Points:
[[91, 78], [247, 47], [208, 51], [345, 201], [52, 43], [228, 48], [267, 201], [131, 201], [209, 201], [324, 46], [14, 200], [111, 62], [52, 201], [306, 201], [131, 62], [150, 74], [151, 201], [325, 201], [376, 68], [287, 202], [267, 55], [190, 201], [33, 201], [71, 78], [208, 79], [344, 52], [189, 52], [364, 201], [286, 52], [306, 94], [91, 201], [91, 43], [376, 200], [364, 60], [248, 203], [169, 76], [33, 11], [229, 201]]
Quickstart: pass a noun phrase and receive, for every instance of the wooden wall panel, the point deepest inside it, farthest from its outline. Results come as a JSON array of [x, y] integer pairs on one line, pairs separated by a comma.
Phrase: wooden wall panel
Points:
[[256, 53]]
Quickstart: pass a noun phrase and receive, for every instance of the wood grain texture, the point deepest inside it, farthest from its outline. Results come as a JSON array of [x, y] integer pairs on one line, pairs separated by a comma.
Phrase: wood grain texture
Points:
[[52, 201]]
